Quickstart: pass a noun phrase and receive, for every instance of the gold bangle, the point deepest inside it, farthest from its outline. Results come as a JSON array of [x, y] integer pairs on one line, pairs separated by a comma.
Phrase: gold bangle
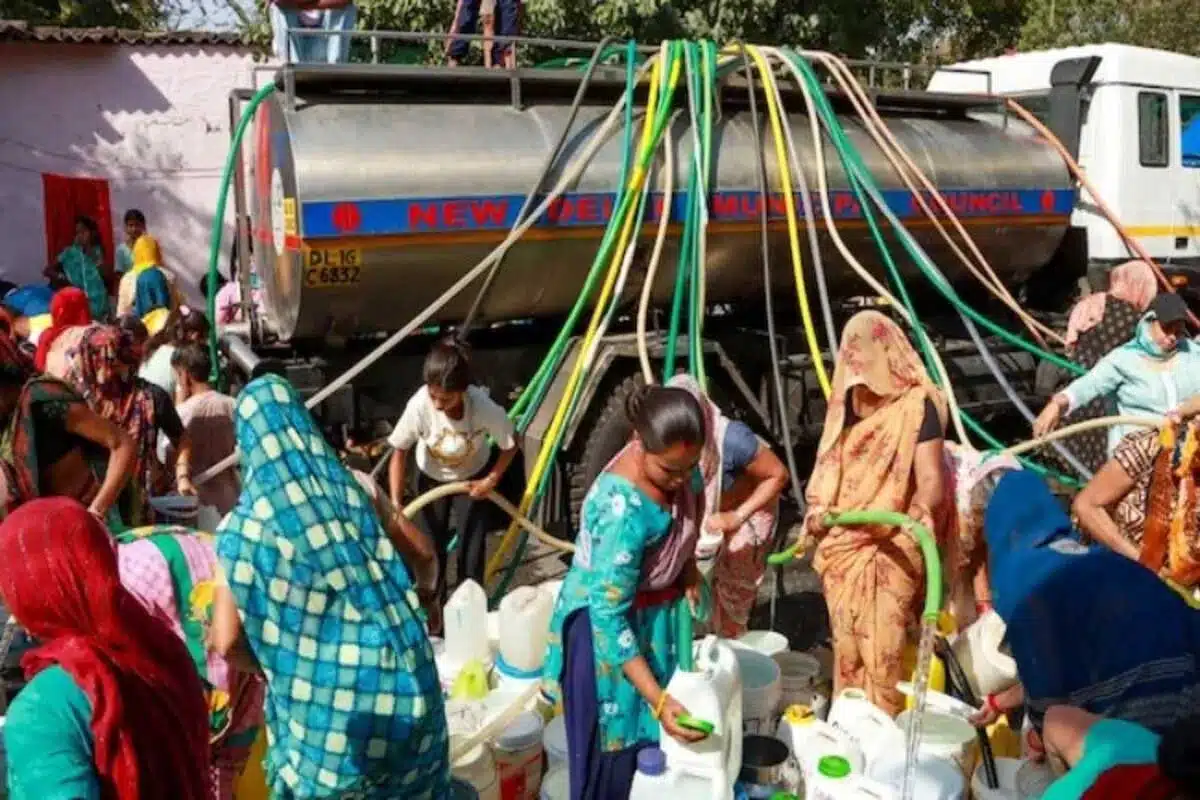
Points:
[[659, 706]]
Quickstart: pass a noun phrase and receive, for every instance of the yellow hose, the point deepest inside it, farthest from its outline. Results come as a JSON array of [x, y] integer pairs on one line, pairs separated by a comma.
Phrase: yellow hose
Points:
[[560, 415], [789, 202], [462, 487]]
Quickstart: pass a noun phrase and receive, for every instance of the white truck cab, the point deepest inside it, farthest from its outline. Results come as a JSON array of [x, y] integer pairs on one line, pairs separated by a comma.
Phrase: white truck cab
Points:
[[1131, 116]]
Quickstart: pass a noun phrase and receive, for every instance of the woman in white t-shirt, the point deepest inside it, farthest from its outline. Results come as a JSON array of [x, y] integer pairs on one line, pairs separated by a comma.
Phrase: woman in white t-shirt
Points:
[[460, 434]]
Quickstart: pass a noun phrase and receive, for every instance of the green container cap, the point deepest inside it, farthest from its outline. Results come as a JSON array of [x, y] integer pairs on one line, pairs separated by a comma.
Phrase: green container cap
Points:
[[833, 767], [784, 796]]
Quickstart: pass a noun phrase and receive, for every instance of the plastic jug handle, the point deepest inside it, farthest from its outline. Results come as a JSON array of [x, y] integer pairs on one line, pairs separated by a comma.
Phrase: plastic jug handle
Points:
[[694, 724]]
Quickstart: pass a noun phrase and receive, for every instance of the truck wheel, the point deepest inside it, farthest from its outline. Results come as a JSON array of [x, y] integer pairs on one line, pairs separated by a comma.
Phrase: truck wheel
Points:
[[607, 433]]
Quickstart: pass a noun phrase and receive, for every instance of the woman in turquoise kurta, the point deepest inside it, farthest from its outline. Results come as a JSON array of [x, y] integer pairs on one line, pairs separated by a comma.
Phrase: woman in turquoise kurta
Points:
[[613, 644], [1149, 375], [318, 597], [80, 265]]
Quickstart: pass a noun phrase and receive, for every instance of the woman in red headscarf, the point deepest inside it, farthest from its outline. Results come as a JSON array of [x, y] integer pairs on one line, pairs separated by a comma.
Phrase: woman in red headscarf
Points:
[[114, 708], [68, 309]]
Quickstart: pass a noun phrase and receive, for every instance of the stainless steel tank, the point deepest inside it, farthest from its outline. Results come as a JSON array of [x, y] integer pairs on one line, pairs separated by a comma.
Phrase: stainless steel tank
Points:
[[369, 207]]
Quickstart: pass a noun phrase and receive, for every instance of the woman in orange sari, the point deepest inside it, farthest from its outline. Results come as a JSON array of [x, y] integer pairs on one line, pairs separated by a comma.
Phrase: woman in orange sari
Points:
[[881, 450]]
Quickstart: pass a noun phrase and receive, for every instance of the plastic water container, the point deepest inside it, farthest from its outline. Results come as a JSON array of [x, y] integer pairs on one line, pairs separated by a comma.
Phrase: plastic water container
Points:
[[465, 620], [552, 589], [869, 726], [554, 742], [769, 643], [761, 691], [810, 740], [945, 736], [1018, 779], [833, 779], [989, 670], [493, 632], [654, 777], [524, 628], [557, 784], [519, 758], [713, 693], [477, 768], [933, 778]]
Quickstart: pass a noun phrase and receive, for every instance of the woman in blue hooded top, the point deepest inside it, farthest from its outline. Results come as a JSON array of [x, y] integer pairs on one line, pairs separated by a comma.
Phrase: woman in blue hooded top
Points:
[[1088, 628], [1150, 375]]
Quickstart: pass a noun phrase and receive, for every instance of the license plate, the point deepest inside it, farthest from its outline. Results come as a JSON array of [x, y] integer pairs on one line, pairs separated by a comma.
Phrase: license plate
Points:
[[334, 266]]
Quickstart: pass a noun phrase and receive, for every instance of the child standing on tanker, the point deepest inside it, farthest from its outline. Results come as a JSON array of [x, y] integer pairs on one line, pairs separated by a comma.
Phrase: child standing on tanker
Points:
[[450, 421]]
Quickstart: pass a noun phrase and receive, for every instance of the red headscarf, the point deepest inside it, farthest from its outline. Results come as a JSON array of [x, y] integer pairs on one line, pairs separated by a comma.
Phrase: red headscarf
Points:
[[68, 309], [59, 578], [1128, 781]]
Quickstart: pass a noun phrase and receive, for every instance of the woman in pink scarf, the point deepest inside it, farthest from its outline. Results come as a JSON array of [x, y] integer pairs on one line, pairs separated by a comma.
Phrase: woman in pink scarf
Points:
[[742, 483], [1098, 324], [1133, 282]]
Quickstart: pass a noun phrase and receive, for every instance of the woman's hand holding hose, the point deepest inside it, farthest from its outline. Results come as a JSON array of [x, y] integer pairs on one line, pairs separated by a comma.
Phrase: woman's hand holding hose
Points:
[[1051, 414]]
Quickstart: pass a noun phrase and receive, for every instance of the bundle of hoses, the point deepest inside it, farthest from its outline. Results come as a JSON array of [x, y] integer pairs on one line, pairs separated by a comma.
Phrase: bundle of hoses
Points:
[[534, 394], [860, 182]]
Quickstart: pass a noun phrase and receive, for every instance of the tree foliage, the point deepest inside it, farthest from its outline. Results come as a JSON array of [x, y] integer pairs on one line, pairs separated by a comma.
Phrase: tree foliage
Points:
[[923, 31]]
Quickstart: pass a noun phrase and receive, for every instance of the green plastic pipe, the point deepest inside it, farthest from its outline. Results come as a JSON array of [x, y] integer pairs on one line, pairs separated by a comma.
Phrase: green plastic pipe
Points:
[[644, 158], [924, 537], [218, 228]]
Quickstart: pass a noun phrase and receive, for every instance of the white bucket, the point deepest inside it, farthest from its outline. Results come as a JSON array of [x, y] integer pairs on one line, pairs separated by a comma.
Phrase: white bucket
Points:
[[989, 670], [799, 677], [944, 736], [868, 725], [933, 778], [557, 784], [761, 691], [477, 768], [769, 643], [518, 753], [1019, 780], [554, 740]]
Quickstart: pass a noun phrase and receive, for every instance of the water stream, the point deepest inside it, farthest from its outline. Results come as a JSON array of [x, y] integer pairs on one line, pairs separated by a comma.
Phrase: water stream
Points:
[[912, 736]]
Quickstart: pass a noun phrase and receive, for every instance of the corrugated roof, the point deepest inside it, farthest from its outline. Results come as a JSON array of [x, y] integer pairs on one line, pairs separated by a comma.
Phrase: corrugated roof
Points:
[[16, 31]]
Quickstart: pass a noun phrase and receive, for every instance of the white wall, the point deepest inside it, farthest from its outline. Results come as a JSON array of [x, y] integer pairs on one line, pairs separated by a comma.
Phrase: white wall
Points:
[[153, 121]]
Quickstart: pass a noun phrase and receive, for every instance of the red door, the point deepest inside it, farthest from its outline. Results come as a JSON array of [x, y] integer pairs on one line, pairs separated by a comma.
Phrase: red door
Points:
[[65, 198]]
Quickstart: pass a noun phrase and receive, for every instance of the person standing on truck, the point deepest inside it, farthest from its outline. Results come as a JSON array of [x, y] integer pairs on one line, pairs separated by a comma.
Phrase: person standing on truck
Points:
[[501, 17], [742, 483], [300, 15], [1149, 375], [450, 420]]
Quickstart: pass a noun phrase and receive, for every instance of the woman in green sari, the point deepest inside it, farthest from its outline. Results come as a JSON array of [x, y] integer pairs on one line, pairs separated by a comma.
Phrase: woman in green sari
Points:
[[79, 265]]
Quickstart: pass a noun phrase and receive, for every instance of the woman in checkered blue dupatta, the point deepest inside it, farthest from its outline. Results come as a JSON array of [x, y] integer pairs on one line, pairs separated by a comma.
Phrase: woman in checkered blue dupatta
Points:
[[328, 610]]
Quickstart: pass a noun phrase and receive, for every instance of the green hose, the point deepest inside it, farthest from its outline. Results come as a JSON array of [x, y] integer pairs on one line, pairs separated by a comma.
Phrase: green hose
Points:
[[662, 118], [218, 228], [859, 178], [925, 540], [924, 537]]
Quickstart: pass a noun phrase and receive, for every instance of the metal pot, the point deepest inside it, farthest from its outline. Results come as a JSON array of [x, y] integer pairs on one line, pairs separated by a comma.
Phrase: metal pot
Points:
[[764, 762]]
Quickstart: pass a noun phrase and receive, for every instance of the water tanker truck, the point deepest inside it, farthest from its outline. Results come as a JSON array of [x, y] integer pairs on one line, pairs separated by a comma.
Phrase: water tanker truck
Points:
[[375, 188]]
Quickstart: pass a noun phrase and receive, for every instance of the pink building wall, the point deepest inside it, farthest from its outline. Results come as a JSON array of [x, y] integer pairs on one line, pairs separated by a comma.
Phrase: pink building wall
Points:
[[152, 120]]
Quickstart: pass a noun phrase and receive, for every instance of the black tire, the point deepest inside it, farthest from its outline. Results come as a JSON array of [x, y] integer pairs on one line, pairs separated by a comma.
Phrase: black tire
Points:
[[602, 438]]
